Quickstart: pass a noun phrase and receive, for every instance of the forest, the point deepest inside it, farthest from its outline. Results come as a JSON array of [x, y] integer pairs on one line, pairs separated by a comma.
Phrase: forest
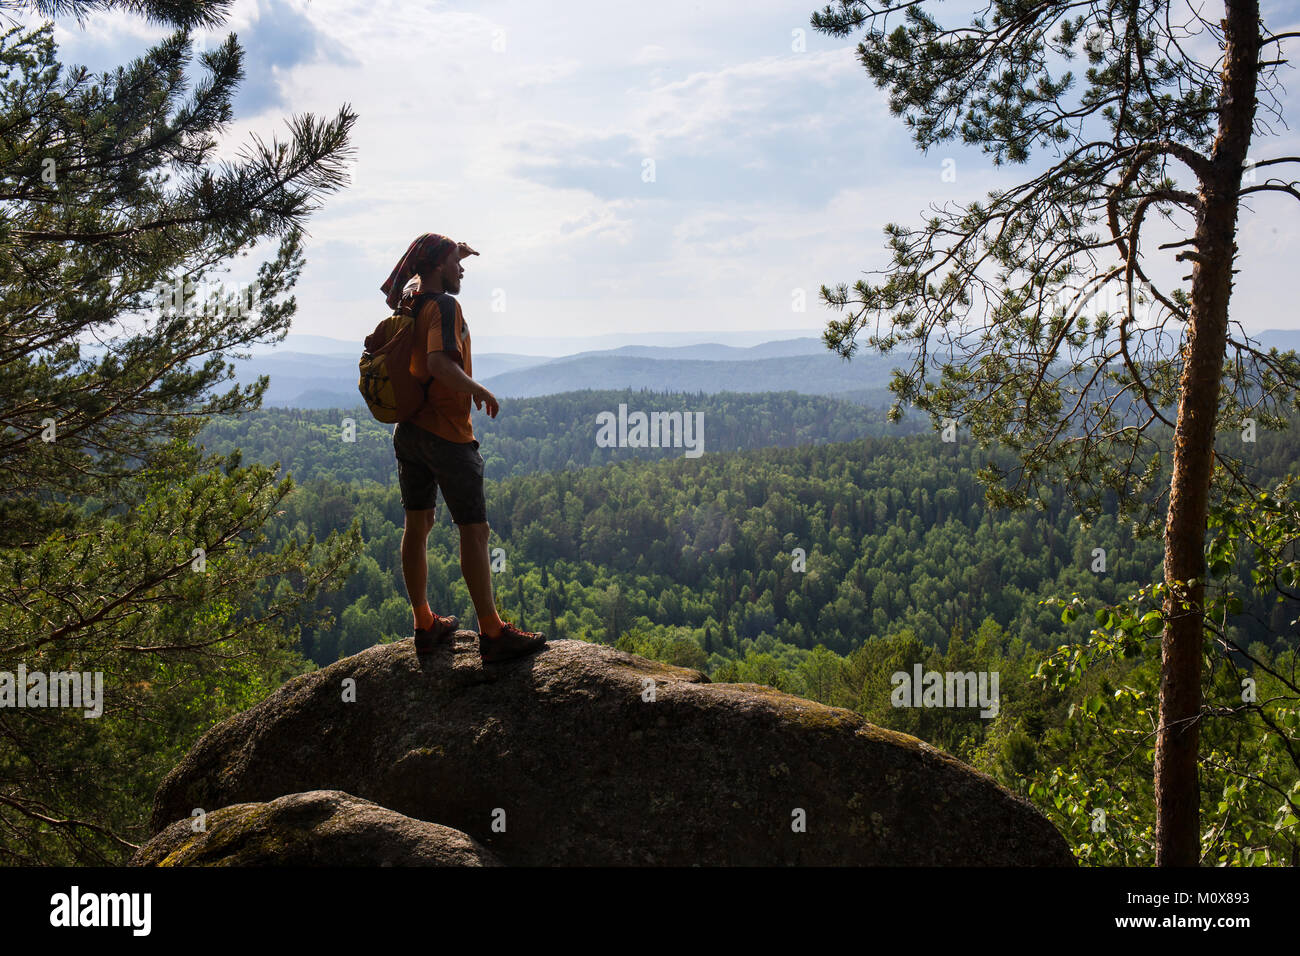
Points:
[[820, 570], [895, 532], [550, 433]]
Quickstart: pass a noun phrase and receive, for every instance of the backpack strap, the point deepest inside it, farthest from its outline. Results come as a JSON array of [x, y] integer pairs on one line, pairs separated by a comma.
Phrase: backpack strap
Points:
[[416, 306], [447, 309], [447, 316]]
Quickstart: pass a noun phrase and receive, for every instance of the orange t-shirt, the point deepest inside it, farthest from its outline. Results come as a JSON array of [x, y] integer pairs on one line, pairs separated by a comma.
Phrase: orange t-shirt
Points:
[[446, 413]]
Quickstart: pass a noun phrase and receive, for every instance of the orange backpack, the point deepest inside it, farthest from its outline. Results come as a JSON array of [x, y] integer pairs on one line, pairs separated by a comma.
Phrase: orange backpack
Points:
[[391, 392]]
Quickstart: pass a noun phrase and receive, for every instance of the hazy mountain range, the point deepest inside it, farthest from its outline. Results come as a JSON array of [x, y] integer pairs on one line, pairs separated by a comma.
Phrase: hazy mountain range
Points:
[[311, 371], [558, 346], [328, 378]]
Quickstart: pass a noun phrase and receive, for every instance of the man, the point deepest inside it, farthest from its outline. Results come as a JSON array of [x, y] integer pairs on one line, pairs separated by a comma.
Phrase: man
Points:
[[436, 449]]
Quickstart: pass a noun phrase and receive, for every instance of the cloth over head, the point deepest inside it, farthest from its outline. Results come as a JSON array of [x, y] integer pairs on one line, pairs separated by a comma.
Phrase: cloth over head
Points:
[[428, 249]]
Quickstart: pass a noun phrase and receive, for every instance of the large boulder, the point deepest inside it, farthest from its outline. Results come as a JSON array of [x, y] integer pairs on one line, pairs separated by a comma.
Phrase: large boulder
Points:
[[321, 828], [582, 754]]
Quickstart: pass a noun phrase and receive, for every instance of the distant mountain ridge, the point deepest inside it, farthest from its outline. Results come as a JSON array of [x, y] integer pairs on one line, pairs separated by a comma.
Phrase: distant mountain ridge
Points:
[[546, 347], [320, 372], [808, 374], [709, 351], [307, 380]]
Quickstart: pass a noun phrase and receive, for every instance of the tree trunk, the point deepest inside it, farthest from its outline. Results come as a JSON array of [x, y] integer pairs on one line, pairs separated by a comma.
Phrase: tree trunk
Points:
[[1177, 741]]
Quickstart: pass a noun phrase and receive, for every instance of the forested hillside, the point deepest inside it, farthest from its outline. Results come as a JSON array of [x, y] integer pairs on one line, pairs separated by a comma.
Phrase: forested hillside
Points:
[[821, 568], [822, 571], [552, 433], [895, 532]]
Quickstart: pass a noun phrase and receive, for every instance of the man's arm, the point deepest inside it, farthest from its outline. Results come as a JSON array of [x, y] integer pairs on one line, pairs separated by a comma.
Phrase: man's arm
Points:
[[444, 368]]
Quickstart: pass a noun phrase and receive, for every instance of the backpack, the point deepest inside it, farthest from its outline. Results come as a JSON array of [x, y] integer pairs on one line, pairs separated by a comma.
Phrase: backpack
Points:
[[391, 392]]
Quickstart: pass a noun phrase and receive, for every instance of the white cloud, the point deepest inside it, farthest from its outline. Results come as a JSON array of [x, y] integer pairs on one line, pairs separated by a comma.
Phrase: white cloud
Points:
[[521, 128], [651, 53]]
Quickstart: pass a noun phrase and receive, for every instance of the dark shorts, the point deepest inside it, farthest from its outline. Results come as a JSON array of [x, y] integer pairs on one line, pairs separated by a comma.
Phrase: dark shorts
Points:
[[427, 462]]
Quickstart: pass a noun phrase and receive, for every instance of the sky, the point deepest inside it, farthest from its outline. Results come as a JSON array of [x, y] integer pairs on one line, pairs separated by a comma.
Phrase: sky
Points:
[[672, 167]]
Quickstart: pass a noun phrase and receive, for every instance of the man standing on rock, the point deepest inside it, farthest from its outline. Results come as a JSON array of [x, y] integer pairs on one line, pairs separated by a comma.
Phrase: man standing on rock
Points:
[[436, 448]]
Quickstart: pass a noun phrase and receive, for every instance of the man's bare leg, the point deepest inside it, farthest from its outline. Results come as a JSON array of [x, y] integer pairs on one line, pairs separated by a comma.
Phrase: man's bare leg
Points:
[[415, 564], [476, 566]]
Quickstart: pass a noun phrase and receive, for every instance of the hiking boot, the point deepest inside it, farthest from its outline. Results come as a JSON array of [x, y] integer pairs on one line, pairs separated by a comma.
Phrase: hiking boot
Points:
[[442, 632], [511, 642]]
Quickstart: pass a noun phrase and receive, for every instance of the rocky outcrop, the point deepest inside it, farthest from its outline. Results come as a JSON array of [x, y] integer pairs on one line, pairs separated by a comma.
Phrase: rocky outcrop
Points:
[[583, 754], [320, 828]]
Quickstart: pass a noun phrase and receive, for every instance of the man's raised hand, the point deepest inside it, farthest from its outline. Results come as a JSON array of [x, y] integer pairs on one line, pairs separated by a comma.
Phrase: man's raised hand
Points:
[[483, 395]]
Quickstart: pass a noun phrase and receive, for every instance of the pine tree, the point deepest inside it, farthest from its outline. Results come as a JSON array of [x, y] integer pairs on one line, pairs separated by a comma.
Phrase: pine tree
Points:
[[990, 300], [124, 549]]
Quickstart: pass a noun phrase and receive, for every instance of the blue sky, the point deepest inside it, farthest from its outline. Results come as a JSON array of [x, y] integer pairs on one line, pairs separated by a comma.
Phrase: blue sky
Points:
[[525, 130]]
